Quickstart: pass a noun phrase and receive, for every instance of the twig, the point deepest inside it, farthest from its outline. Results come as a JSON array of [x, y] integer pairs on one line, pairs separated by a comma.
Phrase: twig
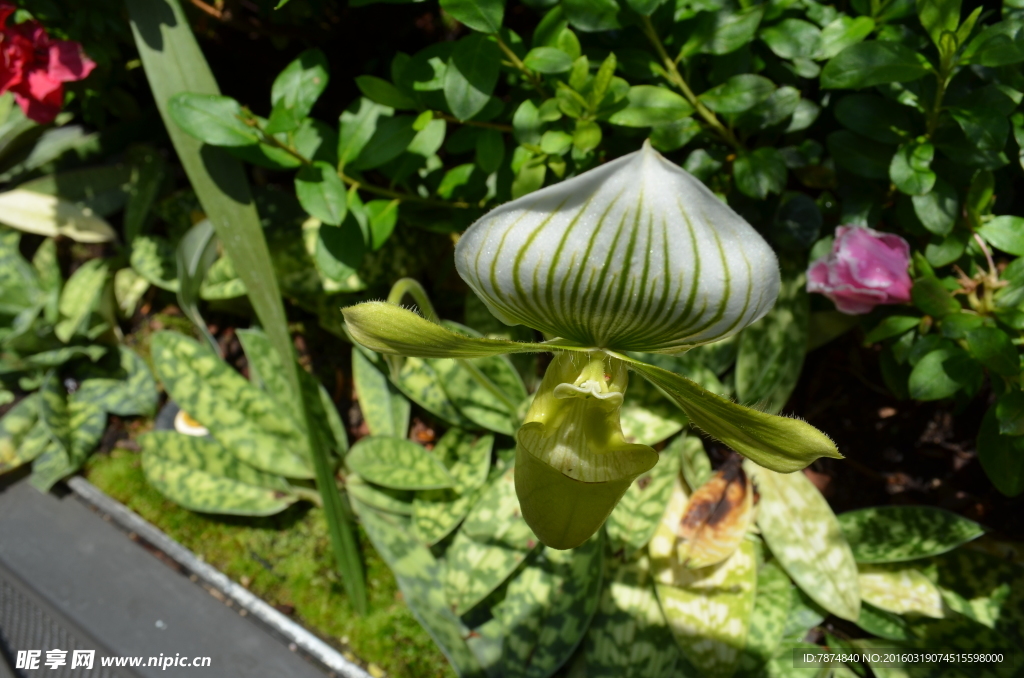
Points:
[[676, 78], [212, 11], [518, 63]]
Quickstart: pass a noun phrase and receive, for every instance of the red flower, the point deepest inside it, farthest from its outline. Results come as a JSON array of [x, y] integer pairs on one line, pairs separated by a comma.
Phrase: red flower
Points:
[[35, 67]]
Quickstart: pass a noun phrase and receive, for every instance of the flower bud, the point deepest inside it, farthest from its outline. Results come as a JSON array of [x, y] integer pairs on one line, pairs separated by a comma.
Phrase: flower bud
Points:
[[864, 269], [636, 254], [572, 462]]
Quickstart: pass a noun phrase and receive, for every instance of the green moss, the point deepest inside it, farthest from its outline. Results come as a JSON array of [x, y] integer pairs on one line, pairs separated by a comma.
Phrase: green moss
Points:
[[286, 560]]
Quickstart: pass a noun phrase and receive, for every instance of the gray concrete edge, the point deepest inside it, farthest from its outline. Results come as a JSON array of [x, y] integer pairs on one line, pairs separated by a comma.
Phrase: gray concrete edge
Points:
[[293, 632]]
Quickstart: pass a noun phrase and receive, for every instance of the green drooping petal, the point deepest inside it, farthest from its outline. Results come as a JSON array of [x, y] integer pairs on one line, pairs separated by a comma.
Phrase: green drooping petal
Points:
[[634, 255], [393, 330], [572, 462], [781, 444]]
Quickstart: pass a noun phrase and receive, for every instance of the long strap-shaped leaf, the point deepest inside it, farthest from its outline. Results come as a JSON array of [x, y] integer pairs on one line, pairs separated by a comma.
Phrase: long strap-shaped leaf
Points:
[[174, 63]]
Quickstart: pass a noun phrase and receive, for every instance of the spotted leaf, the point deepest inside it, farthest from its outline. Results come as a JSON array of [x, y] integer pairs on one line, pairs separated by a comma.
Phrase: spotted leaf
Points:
[[245, 420], [547, 608], [709, 611], [716, 518], [397, 463], [201, 475], [768, 620], [418, 575], [15, 426], [804, 535], [900, 589], [888, 534], [379, 498], [385, 410], [492, 542], [636, 517], [125, 391], [628, 636], [647, 417]]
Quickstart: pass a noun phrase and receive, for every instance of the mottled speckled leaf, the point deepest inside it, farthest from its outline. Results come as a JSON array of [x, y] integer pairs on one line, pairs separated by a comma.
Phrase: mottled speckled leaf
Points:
[[418, 380], [245, 420], [805, 537], [80, 297], [696, 466], [709, 610], [435, 513], [768, 620], [474, 401], [59, 356], [51, 282], [221, 281], [771, 351], [901, 589], [419, 575], [88, 421], [55, 461], [50, 466], [130, 391], [265, 371], [717, 517], [889, 534], [201, 475], [954, 633], [881, 623], [153, 258], [15, 427], [781, 665], [492, 542], [648, 417], [397, 463], [804, 614], [385, 410], [628, 636], [987, 589], [267, 374], [633, 521], [468, 458], [377, 497], [547, 608]]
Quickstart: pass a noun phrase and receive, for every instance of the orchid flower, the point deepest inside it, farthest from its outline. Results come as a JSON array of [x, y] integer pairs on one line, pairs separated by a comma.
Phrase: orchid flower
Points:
[[635, 255]]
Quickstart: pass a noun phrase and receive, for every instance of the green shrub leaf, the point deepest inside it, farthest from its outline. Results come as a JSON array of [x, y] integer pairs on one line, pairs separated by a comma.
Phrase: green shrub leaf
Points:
[[296, 89], [322, 193], [211, 118], [1002, 456], [739, 93], [471, 75], [648, 105], [480, 15], [910, 168], [871, 63], [1006, 233]]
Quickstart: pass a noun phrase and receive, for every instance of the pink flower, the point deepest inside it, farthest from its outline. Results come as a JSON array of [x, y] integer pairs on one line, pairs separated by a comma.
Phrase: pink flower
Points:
[[35, 67], [864, 269]]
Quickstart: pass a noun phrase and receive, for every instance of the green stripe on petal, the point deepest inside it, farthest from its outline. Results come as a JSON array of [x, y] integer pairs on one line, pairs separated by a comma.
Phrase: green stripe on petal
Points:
[[634, 255]]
